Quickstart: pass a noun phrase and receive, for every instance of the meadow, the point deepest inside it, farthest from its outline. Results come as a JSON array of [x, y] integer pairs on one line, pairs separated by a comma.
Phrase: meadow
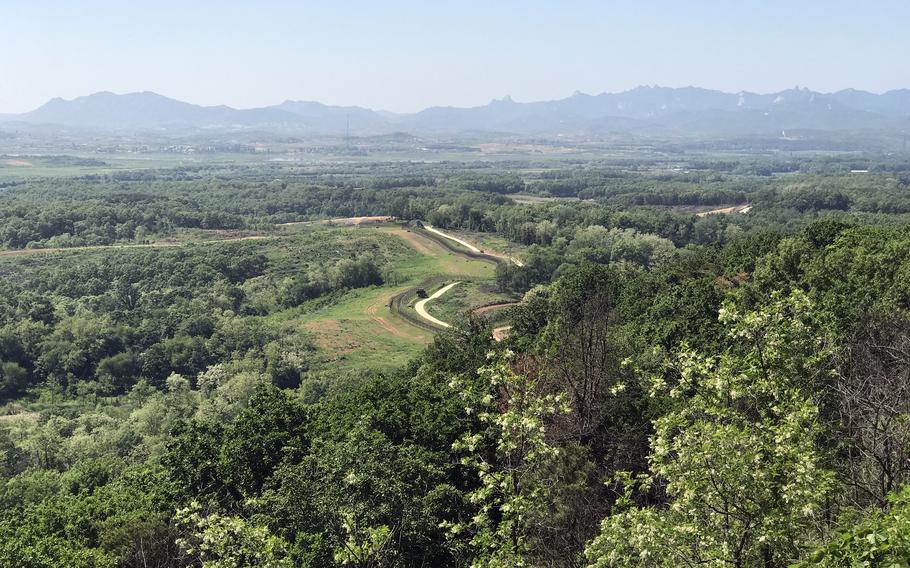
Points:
[[360, 331]]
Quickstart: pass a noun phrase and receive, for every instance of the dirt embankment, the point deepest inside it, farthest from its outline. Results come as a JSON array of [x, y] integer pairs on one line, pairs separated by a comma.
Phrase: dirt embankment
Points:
[[491, 308]]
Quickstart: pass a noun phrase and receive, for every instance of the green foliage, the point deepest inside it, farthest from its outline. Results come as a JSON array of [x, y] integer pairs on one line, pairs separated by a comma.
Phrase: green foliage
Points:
[[99, 515], [258, 438], [13, 379], [738, 453], [511, 490], [863, 269], [219, 541], [882, 539], [148, 392]]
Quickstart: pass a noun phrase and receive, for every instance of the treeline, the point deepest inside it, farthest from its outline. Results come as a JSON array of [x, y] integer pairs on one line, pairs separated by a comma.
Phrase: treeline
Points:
[[103, 322], [147, 205]]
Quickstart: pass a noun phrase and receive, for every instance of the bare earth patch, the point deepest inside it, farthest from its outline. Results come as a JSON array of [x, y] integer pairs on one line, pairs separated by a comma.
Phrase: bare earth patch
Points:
[[726, 210], [373, 310], [414, 242], [344, 221], [501, 333], [482, 310], [330, 336]]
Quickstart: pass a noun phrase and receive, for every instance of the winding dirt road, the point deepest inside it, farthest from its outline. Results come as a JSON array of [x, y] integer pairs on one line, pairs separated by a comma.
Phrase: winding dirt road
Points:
[[420, 307], [471, 247]]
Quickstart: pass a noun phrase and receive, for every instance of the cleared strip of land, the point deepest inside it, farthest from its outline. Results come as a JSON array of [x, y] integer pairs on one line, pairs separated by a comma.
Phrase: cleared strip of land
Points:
[[471, 247], [726, 210], [162, 244], [346, 221]]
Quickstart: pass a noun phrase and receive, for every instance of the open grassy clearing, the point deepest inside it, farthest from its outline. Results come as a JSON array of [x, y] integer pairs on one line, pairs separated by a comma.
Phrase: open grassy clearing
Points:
[[530, 199], [34, 166], [81, 163], [181, 238], [433, 259], [359, 330]]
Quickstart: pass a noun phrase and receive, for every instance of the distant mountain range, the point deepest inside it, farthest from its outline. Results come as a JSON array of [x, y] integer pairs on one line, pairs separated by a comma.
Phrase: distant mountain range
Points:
[[643, 110]]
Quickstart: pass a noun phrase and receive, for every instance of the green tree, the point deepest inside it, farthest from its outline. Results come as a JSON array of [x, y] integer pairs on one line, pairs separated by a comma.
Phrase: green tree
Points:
[[13, 378], [737, 454], [222, 541], [882, 539], [512, 490]]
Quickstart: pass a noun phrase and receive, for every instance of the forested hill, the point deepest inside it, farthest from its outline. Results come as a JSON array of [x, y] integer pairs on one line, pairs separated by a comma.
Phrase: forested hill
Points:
[[204, 367]]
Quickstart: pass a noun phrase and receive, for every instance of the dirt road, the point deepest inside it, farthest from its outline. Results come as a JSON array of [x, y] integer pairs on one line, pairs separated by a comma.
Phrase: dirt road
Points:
[[465, 244], [471, 247], [490, 308], [420, 307], [726, 210]]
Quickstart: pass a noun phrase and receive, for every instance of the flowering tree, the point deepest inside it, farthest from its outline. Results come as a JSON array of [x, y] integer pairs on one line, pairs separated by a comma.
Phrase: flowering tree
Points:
[[512, 490], [737, 454], [221, 541]]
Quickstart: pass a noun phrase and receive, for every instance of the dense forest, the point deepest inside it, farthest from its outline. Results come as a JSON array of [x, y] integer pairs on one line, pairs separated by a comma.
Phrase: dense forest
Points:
[[680, 387]]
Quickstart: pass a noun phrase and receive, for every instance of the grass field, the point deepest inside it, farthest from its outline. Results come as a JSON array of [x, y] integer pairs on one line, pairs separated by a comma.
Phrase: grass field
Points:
[[359, 330], [22, 167]]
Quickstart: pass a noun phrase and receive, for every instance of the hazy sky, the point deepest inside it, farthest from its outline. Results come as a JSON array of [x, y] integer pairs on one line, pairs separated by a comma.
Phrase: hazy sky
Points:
[[403, 56]]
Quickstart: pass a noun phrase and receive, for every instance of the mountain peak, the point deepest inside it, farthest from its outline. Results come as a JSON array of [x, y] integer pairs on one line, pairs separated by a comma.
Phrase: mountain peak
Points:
[[649, 107]]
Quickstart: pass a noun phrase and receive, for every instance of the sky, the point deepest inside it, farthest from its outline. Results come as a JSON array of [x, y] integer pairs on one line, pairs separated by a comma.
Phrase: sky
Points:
[[407, 55]]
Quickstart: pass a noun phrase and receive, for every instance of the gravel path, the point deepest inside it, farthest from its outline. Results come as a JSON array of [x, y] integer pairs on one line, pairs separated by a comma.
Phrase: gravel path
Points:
[[420, 307]]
